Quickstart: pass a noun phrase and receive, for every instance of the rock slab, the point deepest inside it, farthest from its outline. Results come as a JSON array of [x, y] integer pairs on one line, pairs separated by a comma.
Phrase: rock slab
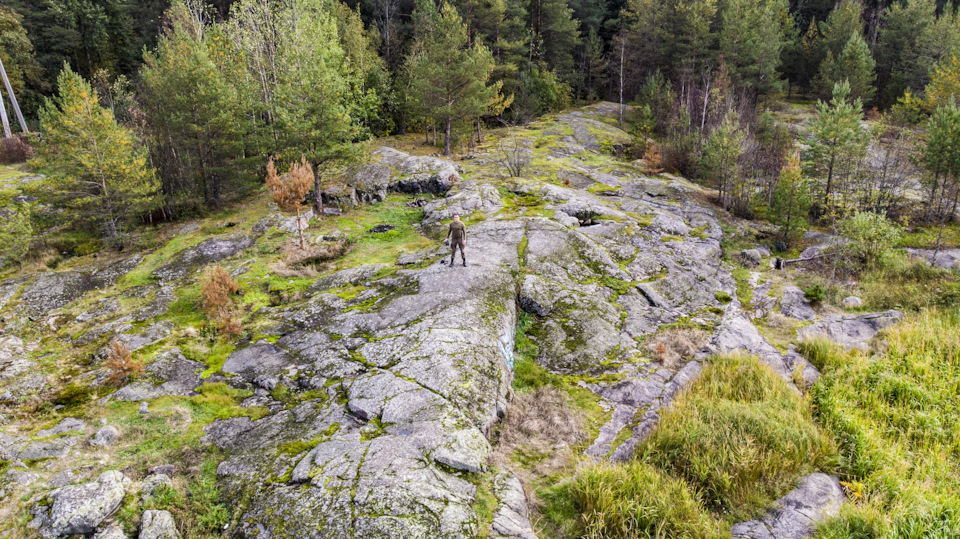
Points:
[[79, 509], [818, 497]]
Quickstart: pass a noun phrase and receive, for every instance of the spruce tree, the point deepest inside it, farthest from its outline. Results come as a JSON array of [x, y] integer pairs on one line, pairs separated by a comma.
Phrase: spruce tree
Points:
[[449, 76], [856, 65], [95, 169]]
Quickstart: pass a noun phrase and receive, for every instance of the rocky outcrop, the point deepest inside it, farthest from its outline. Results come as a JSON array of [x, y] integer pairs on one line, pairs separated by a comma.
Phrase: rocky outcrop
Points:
[[79, 509], [391, 170], [945, 258], [206, 252], [796, 515], [53, 290], [170, 374], [850, 332], [511, 519], [795, 305]]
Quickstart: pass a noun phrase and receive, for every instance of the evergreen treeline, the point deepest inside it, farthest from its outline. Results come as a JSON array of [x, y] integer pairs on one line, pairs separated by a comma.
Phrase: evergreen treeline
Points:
[[208, 89]]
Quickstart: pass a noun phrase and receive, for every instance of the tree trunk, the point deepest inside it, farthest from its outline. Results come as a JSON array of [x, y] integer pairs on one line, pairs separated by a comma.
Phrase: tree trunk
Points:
[[623, 46], [318, 189], [446, 138], [479, 135], [826, 192], [303, 244]]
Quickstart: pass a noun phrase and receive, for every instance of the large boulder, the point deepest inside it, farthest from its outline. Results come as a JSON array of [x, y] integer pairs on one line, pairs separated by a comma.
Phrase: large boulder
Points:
[[158, 525], [850, 332], [51, 290], [206, 252], [795, 305], [79, 509], [796, 515]]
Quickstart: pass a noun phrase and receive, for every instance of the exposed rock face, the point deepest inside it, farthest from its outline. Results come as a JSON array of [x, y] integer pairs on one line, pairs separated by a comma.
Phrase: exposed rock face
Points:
[[79, 509], [851, 332], [795, 516], [158, 525], [52, 290], [67, 424], [207, 252], [794, 304], [852, 302], [172, 374], [13, 361], [112, 531], [751, 257]]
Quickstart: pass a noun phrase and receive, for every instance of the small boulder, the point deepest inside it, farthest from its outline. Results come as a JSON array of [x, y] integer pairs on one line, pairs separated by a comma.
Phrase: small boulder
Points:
[[68, 424], [79, 509], [144, 408], [152, 483], [105, 436], [113, 531], [852, 302], [165, 469], [751, 257], [158, 525]]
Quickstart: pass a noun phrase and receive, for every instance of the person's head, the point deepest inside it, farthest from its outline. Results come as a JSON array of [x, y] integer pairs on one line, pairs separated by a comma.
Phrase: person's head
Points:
[[456, 217]]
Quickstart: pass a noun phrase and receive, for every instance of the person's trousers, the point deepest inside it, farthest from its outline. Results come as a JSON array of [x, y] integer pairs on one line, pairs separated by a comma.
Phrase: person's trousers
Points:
[[454, 244]]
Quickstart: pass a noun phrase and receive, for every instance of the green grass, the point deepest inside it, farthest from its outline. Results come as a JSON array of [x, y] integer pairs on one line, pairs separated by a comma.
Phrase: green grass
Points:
[[744, 290], [926, 237], [739, 436], [604, 189], [896, 418], [635, 500]]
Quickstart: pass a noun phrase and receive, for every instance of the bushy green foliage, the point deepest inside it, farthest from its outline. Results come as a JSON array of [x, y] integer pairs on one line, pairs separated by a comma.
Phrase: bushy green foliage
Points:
[[815, 294], [837, 141], [739, 436], [15, 234], [791, 201], [894, 416], [872, 237]]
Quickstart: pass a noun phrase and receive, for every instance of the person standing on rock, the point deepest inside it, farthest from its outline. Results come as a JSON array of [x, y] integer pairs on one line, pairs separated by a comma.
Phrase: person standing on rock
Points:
[[458, 238]]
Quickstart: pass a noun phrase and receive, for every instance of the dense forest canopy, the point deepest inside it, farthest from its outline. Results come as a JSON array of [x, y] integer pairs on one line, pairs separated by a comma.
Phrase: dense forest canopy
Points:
[[212, 89]]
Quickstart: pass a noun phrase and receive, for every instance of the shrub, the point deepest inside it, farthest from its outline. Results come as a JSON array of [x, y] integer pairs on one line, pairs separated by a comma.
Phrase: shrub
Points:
[[15, 234], [815, 294], [120, 364], [740, 436], [15, 150], [872, 237], [290, 191], [217, 289]]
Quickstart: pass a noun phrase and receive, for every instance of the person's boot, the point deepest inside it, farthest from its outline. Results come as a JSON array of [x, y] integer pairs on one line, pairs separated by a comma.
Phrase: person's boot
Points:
[[451, 262], [464, 262]]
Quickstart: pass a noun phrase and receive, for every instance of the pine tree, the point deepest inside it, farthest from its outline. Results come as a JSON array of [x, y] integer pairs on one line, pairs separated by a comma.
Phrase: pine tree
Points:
[[751, 41], [941, 159], [837, 139], [95, 171], [791, 200], [557, 36], [844, 22], [720, 162], [449, 76], [198, 118], [16, 232]]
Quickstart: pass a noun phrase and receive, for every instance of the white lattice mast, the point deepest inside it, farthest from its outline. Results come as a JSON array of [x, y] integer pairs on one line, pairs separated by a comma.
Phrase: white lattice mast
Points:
[[13, 101]]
